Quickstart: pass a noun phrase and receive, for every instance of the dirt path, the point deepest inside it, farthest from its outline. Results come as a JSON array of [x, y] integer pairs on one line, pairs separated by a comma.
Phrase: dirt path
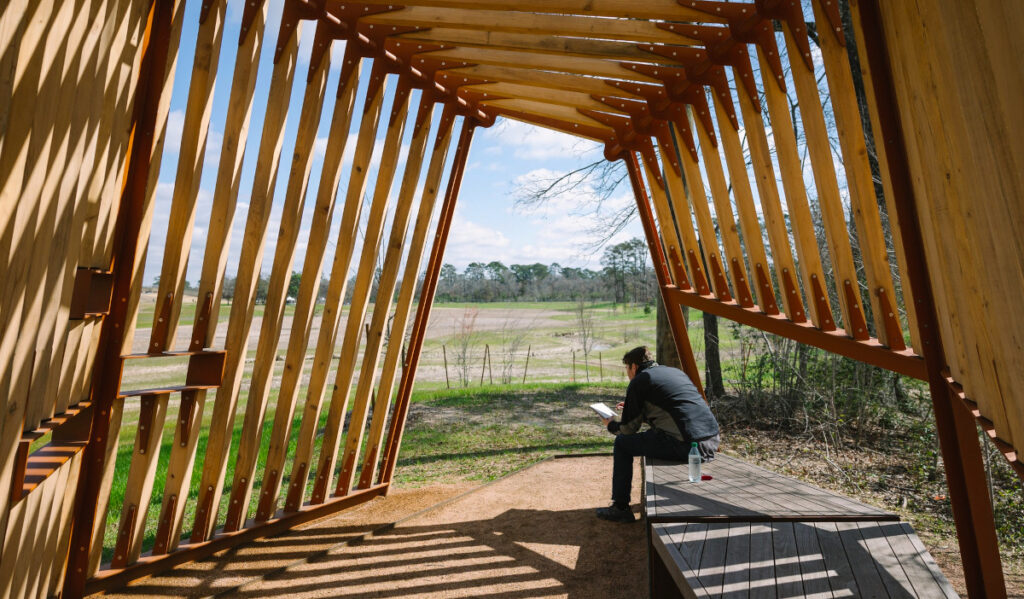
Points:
[[532, 534]]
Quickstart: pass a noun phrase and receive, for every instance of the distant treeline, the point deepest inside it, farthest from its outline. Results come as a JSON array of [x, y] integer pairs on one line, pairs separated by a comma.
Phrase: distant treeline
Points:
[[626, 276]]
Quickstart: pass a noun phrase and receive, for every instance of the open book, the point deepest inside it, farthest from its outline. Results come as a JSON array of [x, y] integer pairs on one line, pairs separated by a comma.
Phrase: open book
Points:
[[602, 410]]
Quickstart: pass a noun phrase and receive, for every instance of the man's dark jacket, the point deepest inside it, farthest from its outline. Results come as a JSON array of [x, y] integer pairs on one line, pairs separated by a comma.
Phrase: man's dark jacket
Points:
[[665, 398]]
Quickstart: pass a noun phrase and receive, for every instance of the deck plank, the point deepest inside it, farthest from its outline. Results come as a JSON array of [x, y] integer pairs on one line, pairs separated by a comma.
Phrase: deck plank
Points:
[[752, 533], [738, 564]]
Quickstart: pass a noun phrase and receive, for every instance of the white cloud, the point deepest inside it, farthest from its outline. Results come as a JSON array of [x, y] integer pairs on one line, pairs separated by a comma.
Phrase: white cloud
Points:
[[530, 142]]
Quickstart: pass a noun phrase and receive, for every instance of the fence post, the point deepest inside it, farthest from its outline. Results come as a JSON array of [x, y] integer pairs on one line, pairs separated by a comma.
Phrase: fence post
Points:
[[527, 367], [490, 364], [444, 352], [574, 366], [600, 367]]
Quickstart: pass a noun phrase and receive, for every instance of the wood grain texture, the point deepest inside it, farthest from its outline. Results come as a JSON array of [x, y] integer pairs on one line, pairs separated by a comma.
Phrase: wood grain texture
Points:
[[225, 197]]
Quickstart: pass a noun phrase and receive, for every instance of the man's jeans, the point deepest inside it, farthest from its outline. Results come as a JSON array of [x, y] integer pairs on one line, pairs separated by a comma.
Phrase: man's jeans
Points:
[[652, 443]]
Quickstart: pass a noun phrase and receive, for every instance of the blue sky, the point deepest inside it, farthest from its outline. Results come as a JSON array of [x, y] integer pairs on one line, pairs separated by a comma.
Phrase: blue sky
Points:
[[488, 226]]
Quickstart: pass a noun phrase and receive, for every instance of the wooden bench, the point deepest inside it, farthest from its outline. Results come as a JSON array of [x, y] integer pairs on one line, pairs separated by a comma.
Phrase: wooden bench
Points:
[[750, 532]]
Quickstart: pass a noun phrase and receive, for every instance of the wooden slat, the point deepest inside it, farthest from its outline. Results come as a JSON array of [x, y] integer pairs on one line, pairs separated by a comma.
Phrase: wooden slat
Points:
[[816, 138], [138, 487], [191, 157], [888, 565], [554, 81], [225, 196], [908, 303], [372, 234], [240, 321], [57, 256], [593, 67], [666, 224], [410, 276], [536, 93], [526, 22], [290, 224], [690, 251], [654, 9], [738, 565], [864, 572], [22, 62], [745, 210], [382, 306], [858, 174], [330, 320], [735, 263], [305, 304], [713, 558]]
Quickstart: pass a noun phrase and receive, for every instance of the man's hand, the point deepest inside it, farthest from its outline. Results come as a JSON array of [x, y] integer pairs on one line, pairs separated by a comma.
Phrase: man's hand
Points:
[[620, 406]]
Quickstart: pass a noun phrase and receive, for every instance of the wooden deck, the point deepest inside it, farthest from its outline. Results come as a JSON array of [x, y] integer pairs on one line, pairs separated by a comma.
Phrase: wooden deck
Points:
[[749, 532], [742, 492]]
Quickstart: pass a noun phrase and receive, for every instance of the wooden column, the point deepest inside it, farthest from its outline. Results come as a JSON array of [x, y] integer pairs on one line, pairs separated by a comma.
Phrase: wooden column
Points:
[[225, 197], [430, 279], [410, 281], [106, 380], [675, 314], [958, 435]]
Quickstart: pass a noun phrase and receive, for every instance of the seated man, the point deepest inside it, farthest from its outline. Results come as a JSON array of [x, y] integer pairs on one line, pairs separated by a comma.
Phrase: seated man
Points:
[[666, 399]]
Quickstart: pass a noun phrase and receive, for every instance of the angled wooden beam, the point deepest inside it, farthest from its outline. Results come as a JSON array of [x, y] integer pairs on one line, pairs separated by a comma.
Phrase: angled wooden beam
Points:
[[426, 301], [191, 157], [858, 176], [539, 43], [654, 9], [157, 48], [526, 76], [958, 434], [240, 321], [382, 305], [204, 327], [372, 234], [593, 67], [675, 187], [290, 225], [347, 234], [675, 314], [410, 278], [526, 22], [515, 91], [309, 285]]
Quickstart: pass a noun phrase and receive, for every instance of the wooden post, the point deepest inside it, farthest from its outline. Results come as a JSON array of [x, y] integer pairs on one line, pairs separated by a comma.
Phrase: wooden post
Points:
[[130, 222], [426, 299], [309, 285], [225, 197], [574, 365], [958, 435], [600, 367], [675, 315], [240, 321], [526, 367], [483, 367], [382, 307], [444, 354], [360, 299], [410, 279]]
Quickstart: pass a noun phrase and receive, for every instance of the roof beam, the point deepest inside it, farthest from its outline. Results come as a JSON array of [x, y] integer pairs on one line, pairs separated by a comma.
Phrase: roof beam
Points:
[[531, 92], [540, 43], [593, 67], [525, 76], [631, 9], [526, 22]]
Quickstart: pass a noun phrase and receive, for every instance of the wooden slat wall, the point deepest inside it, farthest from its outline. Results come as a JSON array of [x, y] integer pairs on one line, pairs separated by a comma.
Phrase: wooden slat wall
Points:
[[968, 179], [69, 77]]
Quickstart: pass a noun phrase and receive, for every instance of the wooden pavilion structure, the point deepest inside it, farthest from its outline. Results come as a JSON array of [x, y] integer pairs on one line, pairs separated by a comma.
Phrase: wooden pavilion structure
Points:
[[711, 105]]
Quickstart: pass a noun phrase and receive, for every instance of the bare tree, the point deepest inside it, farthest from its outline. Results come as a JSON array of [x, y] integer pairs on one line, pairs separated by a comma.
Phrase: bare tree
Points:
[[585, 332], [513, 334], [463, 339]]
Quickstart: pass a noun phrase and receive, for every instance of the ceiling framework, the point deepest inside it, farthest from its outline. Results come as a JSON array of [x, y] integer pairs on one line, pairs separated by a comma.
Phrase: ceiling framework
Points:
[[746, 132]]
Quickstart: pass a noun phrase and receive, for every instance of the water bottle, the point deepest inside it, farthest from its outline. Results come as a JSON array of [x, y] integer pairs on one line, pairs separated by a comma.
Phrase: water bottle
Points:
[[694, 463]]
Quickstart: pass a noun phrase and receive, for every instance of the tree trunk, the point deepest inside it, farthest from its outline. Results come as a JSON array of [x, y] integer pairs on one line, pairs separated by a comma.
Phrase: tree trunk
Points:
[[713, 385], [666, 352]]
